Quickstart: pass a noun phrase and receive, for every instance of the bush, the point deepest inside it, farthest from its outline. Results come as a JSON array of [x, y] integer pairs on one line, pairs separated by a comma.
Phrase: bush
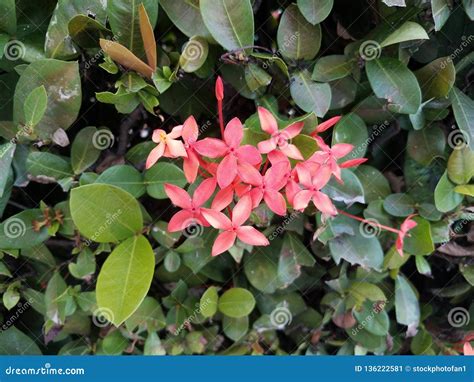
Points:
[[236, 177]]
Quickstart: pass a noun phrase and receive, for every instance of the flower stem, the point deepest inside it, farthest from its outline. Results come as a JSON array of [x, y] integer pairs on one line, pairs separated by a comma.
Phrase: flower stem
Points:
[[371, 222], [221, 116]]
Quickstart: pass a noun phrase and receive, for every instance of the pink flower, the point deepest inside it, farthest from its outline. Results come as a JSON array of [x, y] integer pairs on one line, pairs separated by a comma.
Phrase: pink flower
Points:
[[267, 187], [279, 138], [230, 149], [191, 212], [232, 229], [290, 175], [312, 191], [406, 226], [325, 125], [328, 156], [467, 349], [219, 90], [168, 146], [190, 135], [225, 196]]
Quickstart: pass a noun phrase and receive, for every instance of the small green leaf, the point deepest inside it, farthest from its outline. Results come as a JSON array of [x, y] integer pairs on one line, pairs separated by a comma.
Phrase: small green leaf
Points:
[[236, 303], [373, 317], [235, 328], [463, 108], [362, 291], [208, 302], [309, 95], [105, 213], [126, 177], [399, 204], [315, 11], [467, 189], [330, 68], [407, 32], [256, 77], [426, 144], [440, 10], [162, 173], [437, 78], [407, 308], [461, 165], [446, 198], [83, 151], [48, 165], [125, 278], [419, 240], [35, 106]]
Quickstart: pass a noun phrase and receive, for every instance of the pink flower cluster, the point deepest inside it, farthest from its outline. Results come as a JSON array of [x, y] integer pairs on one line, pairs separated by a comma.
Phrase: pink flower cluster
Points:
[[242, 179]]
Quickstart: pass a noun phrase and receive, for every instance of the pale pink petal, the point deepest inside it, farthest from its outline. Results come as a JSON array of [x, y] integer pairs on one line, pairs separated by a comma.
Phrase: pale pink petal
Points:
[[249, 174], [223, 198], [249, 154], [241, 189], [157, 134], [257, 195], [191, 166], [275, 177], [178, 196], [291, 190], [252, 236], [268, 122], [322, 145], [304, 176], [291, 151], [301, 200], [154, 155], [176, 132], [211, 147], [190, 130], [276, 156], [324, 204], [340, 150], [223, 242], [275, 201], [467, 349], [204, 191], [176, 148], [293, 130], [216, 219], [267, 146], [242, 210], [233, 133], [227, 171], [322, 177], [399, 244], [180, 221]]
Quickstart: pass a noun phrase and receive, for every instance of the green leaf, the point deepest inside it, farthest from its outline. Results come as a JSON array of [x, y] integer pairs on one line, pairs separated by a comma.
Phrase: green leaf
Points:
[[349, 192], [374, 183], [374, 320], [15, 342], [230, 22], [126, 177], [407, 308], [86, 31], [208, 302], [105, 213], [162, 173], [45, 164], [59, 303], [124, 21], [362, 290], [17, 231], [11, 297], [395, 3], [194, 54], [293, 256], [330, 68], [461, 165], [421, 343], [399, 204], [407, 32], [63, 86], [466, 189], [393, 81], [315, 11], [463, 108], [297, 38], [446, 199], [437, 78], [149, 316], [58, 43], [469, 8], [8, 17], [7, 150], [426, 144], [84, 266], [262, 270], [422, 265], [256, 77], [186, 16], [309, 95], [125, 278], [352, 129], [83, 151], [235, 328], [440, 10], [35, 106], [468, 272], [236, 303], [419, 241]]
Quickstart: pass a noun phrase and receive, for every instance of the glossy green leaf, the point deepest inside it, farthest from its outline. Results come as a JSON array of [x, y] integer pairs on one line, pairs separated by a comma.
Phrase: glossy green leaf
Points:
[[15, 342], [235, 328], [17, 232], [297, 38], [35, 106], [440, 10], [393, 81], [236, 303], [407, 32], [374, 319], [208, 302], [374, 183], [407, 308], [8, 17], [463, 108], [162, 173], [426, 144], [44, 164], [125, 278], [105, 213], [446, 199], [309, 95], [330, 68], [461, 165], [125, 177], [186, 15], [419, 241], [437, 78], [230, 22], [352, 129], [315, 11], [83, 151], [399, 204]]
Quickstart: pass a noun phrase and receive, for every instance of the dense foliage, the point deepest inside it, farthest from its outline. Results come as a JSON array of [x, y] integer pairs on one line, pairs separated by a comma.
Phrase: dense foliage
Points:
[[236, 177]]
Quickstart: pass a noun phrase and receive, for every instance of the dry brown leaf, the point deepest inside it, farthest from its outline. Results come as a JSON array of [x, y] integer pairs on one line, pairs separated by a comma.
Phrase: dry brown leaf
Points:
[[124, 57], [148, 37]]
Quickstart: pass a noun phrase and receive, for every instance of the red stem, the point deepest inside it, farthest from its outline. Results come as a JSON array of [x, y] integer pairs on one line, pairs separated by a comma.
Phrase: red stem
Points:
[[371, 222], [221, 117]]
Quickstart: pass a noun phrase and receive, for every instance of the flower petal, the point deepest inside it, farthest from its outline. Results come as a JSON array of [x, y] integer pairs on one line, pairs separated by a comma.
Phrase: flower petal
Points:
[[252, 236], [227, 171], [301, 199], [324, 204], [223, 242], [267, 146], [211, 147], [249, 154], [275, 177], [268, 122], [180, 221], [327, 124], [242, 210], [293, 130], [191, 166], [216, 219], [275, 201], [353, 162], [223, 198], [304, 176], [291, 151], [176, 132], [204, 191], [178, 196], [157, 133], [340, 150], [233, 133], [249, 174], [276, 156], [176, 148], [154, 155], [190, 131]]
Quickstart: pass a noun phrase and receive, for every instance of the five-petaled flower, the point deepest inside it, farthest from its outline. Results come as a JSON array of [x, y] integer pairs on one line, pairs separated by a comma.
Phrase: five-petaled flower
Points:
[[168, 145], [233, 228]]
